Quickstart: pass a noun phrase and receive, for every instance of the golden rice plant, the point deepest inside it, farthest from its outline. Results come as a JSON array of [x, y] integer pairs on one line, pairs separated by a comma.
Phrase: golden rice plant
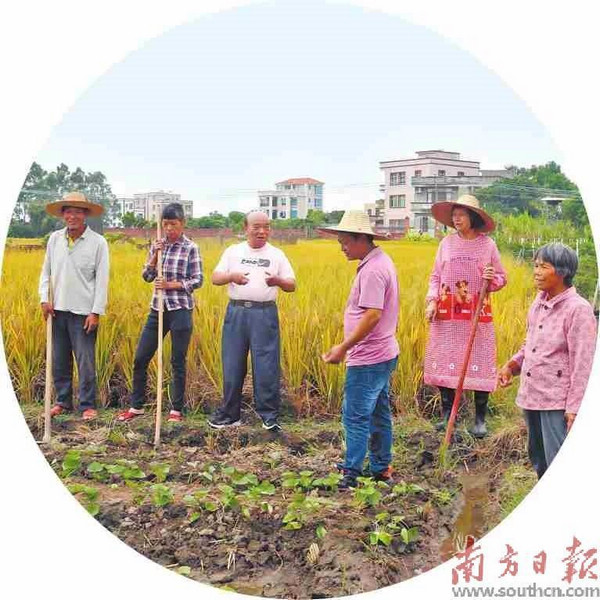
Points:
[[311, 321]]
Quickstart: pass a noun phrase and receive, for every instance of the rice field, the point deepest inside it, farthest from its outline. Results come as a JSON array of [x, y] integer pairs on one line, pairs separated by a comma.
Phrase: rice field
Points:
[[311, 321]]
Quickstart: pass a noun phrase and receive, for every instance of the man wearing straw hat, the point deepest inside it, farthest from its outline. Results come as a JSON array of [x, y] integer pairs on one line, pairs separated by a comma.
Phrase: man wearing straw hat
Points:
[[370, 349], [73, 289]]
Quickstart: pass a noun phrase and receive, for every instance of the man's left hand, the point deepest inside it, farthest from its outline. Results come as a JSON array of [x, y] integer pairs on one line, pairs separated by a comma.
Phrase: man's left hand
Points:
[[272, 280], [569, 419], [335, 355], [91, 322]]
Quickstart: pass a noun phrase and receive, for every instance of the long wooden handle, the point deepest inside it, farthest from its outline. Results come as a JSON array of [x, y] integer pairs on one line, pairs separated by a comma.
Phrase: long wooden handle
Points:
[[48, 388], [463, 372], [159, 379]]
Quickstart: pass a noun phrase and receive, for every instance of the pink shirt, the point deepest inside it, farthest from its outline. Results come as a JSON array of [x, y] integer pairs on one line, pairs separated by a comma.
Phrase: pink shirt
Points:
[[556, 359], [375, 286]]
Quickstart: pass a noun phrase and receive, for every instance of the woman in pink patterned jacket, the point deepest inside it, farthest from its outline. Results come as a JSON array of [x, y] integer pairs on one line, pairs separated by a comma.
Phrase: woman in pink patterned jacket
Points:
[[463, 260], [556, 359]]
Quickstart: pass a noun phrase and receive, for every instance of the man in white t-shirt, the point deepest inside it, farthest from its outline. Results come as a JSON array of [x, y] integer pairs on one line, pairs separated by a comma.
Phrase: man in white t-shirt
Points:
[[253, 271]]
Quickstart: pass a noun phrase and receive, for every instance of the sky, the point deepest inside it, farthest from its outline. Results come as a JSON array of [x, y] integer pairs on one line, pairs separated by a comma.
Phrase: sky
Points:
[[234, 102]]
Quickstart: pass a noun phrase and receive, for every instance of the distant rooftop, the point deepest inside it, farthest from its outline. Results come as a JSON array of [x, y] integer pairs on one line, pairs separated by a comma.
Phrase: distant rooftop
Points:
[[301, 181], [437, 153]]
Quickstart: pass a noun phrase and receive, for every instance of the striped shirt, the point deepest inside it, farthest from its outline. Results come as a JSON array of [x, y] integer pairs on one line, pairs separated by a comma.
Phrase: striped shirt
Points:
[[180, 262]]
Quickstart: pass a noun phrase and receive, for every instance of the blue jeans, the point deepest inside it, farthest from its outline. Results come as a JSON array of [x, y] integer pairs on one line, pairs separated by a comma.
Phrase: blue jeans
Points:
[[367, 418], [179, 323]]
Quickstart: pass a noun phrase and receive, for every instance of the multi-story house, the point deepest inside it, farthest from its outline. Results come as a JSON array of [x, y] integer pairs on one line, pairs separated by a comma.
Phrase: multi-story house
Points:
[[145, 205], [412, 185], [292, 198]]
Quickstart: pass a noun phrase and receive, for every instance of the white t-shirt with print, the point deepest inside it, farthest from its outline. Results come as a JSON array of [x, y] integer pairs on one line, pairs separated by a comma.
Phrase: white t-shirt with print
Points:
[[255, 263]]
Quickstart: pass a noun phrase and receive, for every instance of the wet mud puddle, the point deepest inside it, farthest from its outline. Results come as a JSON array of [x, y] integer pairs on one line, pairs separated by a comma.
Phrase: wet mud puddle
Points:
[[470, 523]]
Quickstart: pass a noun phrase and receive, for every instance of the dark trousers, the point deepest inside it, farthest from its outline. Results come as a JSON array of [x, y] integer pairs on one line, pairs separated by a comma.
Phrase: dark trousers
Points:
[[179, 323], [68, 339], [547, 432], [254, 330]]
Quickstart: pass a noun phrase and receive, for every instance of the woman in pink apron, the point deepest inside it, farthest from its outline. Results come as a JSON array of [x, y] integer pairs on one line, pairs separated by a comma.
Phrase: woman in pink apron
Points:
[[463, 260]]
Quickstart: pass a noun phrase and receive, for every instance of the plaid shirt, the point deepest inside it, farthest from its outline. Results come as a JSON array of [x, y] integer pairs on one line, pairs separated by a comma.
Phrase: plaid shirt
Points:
[[180, 262]]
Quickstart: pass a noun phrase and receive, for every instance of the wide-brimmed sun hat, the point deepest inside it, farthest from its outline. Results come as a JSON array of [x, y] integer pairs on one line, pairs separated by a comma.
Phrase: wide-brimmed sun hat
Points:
[[354, 221], [76, 200], [442, 212]]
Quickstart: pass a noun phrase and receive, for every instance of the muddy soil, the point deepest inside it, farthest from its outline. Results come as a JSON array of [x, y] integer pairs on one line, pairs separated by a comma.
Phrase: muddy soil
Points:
[[223, 508]]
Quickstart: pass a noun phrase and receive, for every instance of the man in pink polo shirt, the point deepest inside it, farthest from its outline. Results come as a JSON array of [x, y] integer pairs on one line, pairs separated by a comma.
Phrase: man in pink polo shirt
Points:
[[370, 349]]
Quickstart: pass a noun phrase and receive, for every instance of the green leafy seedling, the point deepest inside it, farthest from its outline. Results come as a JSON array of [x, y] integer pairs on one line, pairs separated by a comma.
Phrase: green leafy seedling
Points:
[[409, 535], [375, 537], [330, 482], [98, 471], [71, 462], [161, 494], [160, 471], [404, 489], [366, 494], [90, 497]]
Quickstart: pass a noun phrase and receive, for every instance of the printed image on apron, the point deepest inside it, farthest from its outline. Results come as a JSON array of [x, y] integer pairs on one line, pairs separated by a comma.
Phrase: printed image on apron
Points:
[[444, 309], [463, 301], [460, 304]]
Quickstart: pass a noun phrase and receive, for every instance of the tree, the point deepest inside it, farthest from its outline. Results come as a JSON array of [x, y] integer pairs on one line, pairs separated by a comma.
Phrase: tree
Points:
[[334, 217], [574, 211], [129, 219], [522, 192], [41, 187]]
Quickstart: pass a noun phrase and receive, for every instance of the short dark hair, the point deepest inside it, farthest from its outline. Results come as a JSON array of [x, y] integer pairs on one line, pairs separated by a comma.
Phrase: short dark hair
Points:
[[174, 210], [562, 258]]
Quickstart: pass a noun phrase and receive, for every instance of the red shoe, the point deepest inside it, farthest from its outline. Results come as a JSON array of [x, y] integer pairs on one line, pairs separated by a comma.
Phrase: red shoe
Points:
[[175, 417], [128, 415], [385, 475], [57, 409], [89, 414]]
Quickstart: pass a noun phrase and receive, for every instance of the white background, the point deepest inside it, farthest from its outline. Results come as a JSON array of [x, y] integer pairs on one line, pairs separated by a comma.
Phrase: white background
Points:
[[547, 51]]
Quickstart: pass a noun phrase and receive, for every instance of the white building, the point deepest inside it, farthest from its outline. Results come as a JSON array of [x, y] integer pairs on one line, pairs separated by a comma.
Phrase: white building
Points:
[[292, 198], [145, 205], [412, 185]]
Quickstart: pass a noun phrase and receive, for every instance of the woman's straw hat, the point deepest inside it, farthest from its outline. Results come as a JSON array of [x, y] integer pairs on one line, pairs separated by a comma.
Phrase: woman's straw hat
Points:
[[354, 221], [442, 212], [76, 200]]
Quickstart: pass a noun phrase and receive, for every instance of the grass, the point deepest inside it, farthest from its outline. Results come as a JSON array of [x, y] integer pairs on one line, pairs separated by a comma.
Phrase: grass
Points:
[[515, 484]]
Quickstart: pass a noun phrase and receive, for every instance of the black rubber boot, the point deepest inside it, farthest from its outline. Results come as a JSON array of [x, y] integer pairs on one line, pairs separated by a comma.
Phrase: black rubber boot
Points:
[[479, 430], [447, 399]]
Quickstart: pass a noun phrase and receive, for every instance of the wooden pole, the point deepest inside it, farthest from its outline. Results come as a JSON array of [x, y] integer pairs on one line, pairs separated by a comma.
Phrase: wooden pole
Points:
[[48, 388], [159, 381], [463, 373]]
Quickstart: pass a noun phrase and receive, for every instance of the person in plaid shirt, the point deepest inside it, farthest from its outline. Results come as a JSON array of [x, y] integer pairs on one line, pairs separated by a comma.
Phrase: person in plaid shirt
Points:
[[182, 274]]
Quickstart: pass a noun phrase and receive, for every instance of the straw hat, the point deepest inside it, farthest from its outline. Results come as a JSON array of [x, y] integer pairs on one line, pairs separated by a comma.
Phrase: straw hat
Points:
[[76, 200], [442, 212], [354, 221]]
